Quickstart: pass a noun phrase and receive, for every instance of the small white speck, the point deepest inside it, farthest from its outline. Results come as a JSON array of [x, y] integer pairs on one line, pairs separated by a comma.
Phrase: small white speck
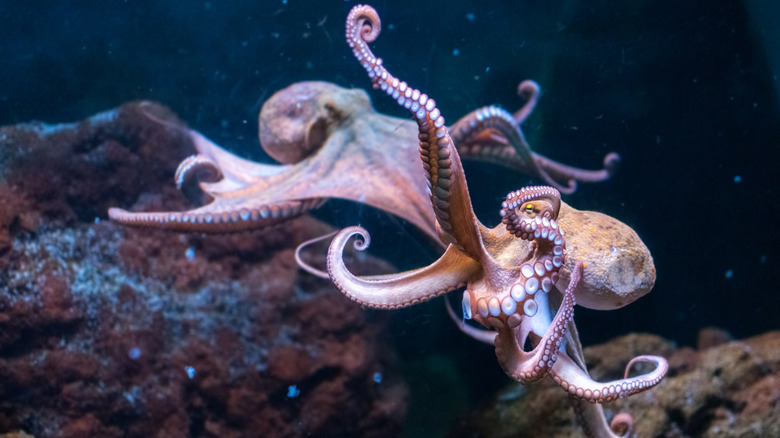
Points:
[[729, 274], [293, 391], [190, 371], [190, 253], [737, 179], [470, 16], [455, 52]]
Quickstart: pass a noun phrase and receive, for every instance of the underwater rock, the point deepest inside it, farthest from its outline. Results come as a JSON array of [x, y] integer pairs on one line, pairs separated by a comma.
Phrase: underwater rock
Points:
[[726, 389], [109, 331]]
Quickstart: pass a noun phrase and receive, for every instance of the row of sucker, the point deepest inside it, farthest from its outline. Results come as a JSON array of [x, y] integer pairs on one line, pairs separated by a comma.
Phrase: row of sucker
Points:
[[475, 123], [505, 141], [554, 337], [532, 224], [619, 388], [545, 354], [363, 26], [539, 275], [228, 220], [530, 214]]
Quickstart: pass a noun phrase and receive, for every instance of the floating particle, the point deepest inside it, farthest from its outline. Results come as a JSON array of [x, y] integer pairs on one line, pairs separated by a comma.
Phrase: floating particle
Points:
[[190, 253], [190, 371], [455, 52], [134, 353], [470, 16], [729, 274], [378, 377], [737, 179], [293, 391]]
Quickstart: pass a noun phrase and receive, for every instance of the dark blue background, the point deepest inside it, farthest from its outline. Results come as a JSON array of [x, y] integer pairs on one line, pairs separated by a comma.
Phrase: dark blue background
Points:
[[684, 91]]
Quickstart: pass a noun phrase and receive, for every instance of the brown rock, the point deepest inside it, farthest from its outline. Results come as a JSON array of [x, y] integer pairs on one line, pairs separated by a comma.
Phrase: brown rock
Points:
[[728, 390]]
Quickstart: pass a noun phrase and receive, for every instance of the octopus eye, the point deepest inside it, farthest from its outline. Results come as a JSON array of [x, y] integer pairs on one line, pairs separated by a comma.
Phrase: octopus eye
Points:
[[529, 209]]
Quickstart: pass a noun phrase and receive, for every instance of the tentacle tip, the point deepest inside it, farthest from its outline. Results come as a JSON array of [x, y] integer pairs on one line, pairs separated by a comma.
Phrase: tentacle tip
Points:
[[661, 365], [622, 425], [368, 21], [528, 89], [611, 162], [570, 188], [116, 214], [364, 240]]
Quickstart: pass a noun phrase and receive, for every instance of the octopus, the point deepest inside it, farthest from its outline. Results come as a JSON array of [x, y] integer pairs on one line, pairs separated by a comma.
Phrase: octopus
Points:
[[332, 144], [543, 255]]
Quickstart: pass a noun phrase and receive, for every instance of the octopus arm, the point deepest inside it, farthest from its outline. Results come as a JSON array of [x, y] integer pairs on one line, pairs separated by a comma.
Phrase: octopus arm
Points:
[[573, 379], [455, 220], [528, 367], [237, 172], [553, 172], [450, 271], [490, 134], [591, 417], [220, 216]]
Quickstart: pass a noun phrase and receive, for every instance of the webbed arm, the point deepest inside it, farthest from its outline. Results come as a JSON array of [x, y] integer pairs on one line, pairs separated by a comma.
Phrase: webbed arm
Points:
[[451, 271]]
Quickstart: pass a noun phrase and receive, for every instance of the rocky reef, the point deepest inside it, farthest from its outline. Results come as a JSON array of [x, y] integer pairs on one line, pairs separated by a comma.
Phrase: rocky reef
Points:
[[722, 388], [107, 331]]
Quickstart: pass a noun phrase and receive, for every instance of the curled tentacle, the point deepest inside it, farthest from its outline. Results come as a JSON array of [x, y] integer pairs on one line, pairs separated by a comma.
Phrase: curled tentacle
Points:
[[491, 134], [530, 213], [451, 271], [456, 223], [530, 91], [198, 167], [594, 424], [574, 380]]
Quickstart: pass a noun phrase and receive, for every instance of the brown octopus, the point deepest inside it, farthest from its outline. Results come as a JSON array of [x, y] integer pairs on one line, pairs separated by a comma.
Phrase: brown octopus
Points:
[[509, 271], [334, 145]]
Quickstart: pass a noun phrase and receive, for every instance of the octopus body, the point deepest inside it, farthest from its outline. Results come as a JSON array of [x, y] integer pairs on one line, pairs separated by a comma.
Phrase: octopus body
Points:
[[332, 144], [513, 273]]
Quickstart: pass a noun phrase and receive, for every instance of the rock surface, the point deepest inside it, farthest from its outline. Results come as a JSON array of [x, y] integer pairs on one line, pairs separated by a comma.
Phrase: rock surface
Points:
[[114, 332], [723, 388]]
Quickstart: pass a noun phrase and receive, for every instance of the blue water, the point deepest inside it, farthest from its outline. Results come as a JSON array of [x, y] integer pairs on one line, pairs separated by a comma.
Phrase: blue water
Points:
[[685, 92]]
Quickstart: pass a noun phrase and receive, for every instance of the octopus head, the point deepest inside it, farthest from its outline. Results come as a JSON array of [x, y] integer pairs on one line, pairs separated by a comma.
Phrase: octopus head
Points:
[[297, 121]]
